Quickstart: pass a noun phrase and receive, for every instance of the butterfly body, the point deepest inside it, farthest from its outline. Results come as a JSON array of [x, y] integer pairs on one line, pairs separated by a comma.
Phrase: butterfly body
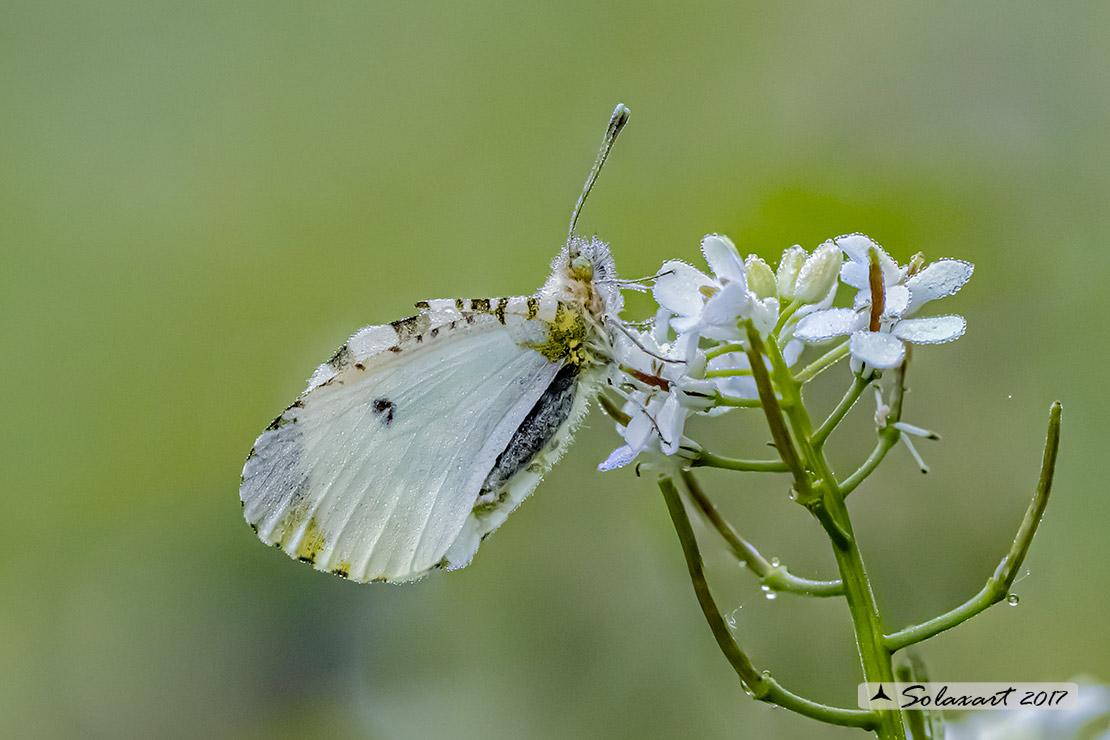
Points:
[[417, 438]]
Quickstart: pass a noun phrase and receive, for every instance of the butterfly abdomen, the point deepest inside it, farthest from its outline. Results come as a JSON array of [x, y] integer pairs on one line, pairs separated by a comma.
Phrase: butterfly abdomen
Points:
[[537, 430]]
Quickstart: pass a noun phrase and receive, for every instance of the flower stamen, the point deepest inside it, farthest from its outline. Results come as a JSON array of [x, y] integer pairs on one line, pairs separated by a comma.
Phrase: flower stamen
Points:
[[647, 379], [878, 289]]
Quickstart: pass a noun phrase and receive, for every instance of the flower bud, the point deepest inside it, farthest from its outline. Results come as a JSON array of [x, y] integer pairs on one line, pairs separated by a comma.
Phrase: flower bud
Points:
[[818, 274], [761, 279], [789, 265]]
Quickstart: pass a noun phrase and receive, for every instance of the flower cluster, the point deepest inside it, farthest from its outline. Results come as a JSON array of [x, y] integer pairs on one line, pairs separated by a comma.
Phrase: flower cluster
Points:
[[692, 357]]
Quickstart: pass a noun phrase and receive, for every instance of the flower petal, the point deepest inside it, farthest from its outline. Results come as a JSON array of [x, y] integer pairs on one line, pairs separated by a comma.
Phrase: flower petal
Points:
[[659, 326], [862, 299], [730, 361], [764, 314], [618, 458], [855, 246], [854, 274], [684, 325], [684, 348], [855, 271], [897, 301], [671, 419], [877, 349], [695, 396], [678, 288], [821, 305], [723, 259], [640, 429], [822, 325], [792, 352], [937, 280], [933, 330], [738, 387], [725, 307]]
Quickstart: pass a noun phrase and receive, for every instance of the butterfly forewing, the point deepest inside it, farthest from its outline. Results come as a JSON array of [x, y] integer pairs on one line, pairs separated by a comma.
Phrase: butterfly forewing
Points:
[[374, 471]]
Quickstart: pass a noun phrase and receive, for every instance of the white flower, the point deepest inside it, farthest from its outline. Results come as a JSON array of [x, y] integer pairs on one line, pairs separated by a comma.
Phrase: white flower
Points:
[[713, 306], [879, 341], [662, 397]]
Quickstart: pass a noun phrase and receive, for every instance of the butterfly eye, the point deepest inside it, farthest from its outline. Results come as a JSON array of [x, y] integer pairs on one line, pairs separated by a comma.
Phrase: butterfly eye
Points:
[[581, 268]]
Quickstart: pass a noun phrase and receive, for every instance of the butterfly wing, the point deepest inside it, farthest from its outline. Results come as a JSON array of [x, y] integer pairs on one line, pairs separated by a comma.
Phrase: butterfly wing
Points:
[[374, 470]]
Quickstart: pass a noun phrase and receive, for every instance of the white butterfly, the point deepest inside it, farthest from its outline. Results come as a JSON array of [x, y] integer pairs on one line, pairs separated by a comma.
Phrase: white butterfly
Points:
[[417, 438]]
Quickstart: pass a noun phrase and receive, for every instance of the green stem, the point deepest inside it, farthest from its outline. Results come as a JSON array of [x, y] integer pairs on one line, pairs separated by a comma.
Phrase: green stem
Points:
[[999, 584], [735, 372], [723, 349], [829, 506], [841, 410], [761, 685], [740, 403], [990, 595], [888, 437], [785, 316], [705, 459], [775, 577], [808, 491], [772, 410], [811, 371]]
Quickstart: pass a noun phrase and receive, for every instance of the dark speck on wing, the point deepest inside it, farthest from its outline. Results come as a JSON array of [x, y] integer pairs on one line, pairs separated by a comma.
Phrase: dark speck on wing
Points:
[[384, 408]]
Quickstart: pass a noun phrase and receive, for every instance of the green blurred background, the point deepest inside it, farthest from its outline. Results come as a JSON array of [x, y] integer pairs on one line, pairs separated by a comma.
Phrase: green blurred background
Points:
[[199, 202]]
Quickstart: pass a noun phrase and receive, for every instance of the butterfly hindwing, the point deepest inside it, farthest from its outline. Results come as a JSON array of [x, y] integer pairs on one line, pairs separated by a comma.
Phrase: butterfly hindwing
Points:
[[375, 470]]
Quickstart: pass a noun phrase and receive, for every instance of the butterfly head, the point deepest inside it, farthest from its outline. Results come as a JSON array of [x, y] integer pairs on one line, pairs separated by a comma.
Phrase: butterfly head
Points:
[[583, 275]]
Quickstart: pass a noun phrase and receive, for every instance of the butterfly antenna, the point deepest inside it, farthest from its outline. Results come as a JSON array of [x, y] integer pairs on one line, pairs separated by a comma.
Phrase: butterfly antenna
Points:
[[619, 325], [635, 283], [616, 123]]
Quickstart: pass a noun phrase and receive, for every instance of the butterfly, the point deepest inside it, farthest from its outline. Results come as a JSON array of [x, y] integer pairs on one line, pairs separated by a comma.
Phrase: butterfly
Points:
[[419, 437]]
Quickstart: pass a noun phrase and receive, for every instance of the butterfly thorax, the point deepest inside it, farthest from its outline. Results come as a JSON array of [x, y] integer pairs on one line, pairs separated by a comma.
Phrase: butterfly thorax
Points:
[[583, 282]]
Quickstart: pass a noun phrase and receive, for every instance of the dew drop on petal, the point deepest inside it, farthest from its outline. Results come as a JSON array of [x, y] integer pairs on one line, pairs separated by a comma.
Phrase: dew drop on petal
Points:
[[1012, 599], [771, 595], [775, 562]]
